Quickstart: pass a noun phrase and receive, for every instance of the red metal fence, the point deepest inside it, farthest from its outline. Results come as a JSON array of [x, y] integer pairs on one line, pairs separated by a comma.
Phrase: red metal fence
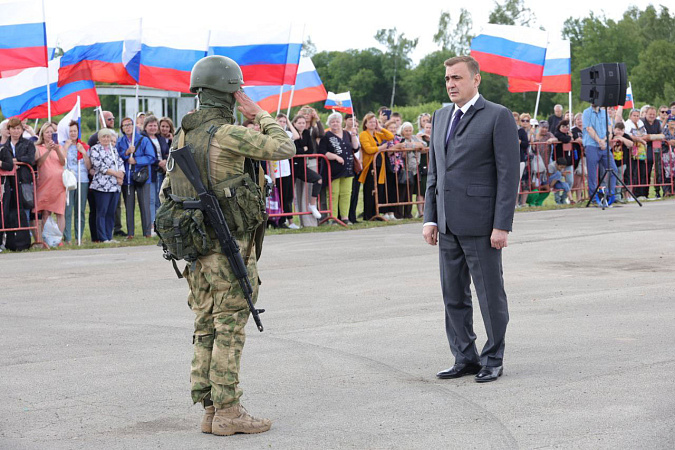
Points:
[[10, 180]]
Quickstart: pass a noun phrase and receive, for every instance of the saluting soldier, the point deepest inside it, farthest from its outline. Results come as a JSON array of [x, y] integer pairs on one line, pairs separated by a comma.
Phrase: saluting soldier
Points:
[[221, 150]]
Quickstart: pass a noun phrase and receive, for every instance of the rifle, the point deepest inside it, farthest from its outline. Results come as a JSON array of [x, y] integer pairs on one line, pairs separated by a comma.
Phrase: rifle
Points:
[[208, 203]]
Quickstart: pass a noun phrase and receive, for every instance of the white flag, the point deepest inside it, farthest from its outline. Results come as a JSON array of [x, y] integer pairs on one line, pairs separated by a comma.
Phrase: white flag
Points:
[[64, 123]]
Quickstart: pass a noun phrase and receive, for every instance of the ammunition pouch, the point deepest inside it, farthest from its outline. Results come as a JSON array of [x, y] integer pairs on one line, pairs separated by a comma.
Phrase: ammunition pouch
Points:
[[242, 203], [182, 231]]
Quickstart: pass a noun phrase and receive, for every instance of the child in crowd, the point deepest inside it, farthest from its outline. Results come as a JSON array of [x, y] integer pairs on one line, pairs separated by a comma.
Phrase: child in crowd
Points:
[[621, 150], [555, 181]]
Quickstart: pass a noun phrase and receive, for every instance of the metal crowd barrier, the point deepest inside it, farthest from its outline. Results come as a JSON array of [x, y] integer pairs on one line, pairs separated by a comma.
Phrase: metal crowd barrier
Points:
[[393, 194], [636, 173], [328, 212], [4, 227]]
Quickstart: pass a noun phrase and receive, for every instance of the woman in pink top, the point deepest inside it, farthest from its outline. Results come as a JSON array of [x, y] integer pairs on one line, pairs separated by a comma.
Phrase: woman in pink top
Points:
[[51, 193]]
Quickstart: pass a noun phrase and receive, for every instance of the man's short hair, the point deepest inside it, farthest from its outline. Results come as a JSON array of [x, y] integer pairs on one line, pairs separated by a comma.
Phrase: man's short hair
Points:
[[672, 104], [396, 114], [649, 108], [472, 64], [561, 161], [619, 126]]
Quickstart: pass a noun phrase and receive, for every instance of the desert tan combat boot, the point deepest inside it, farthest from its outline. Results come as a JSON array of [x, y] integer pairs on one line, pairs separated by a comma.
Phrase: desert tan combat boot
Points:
[[236, 419], [209, 412]]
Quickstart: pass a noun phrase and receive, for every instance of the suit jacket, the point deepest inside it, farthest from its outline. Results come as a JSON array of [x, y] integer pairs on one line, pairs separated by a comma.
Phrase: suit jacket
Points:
[[472, 184]]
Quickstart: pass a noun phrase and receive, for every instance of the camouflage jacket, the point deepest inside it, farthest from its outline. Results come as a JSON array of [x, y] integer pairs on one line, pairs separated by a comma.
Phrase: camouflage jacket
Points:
[[230, 144]]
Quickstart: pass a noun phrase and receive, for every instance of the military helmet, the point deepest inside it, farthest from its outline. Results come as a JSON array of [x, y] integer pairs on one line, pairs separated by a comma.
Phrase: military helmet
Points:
[[218, 73]]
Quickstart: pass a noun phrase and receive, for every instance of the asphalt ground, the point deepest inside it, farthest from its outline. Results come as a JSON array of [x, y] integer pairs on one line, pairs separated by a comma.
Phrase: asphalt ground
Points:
[[96, 344]]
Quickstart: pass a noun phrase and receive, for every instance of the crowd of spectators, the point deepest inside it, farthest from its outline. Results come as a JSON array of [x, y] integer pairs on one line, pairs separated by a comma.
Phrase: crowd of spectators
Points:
[[562, 155], [130, 162]]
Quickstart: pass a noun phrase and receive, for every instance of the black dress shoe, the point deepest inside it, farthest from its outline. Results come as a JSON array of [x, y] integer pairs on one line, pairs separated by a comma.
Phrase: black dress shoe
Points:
[[489, 374], [459, 370]]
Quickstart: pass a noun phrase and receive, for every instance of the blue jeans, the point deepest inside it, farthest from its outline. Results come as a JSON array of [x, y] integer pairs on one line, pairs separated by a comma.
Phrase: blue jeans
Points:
[[596, 157], [71, 209], [561, 195], [154, 196]]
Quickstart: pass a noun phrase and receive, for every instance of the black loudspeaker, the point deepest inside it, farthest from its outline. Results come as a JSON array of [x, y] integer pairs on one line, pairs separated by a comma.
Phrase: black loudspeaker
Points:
[[604, 84]]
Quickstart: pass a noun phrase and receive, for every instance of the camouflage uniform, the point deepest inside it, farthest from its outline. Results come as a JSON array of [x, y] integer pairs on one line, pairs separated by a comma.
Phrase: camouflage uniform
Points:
[[215, 295]]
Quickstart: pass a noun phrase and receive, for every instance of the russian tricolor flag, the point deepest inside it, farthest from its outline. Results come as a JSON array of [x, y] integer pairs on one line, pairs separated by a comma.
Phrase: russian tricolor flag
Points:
[[629, 98], [511, 51], [266, 58], [25, 95], [557, 71], [168, 55], [23, 36], [308, 89], [340, 102], [106, 52]]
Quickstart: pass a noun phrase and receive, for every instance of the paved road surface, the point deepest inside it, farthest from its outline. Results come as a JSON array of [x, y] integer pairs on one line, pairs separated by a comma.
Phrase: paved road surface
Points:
[[96, 344]]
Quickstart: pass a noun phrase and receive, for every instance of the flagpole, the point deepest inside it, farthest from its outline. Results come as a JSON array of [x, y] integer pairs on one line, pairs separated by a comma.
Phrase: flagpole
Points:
[[281, 94], [290, 100], [79, 196], [49, 98], [571, 112], [290, 103], [49, 91], [536, 106], [133, 132]]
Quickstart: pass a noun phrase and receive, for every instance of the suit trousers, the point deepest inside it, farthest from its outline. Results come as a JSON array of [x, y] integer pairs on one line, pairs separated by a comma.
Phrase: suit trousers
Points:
[[463, 259]]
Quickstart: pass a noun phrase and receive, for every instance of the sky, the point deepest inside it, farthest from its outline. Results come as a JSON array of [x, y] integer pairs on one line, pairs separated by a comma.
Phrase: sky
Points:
[[331, 25]]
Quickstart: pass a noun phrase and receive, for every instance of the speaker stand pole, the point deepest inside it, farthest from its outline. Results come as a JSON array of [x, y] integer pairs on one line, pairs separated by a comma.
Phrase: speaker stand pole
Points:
[[608, 172]]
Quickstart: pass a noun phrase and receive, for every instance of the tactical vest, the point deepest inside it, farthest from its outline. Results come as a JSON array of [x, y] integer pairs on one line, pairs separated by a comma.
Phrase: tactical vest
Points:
[[239, 196]]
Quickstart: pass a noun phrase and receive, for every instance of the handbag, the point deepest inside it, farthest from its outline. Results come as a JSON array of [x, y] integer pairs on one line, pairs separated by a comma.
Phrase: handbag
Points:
[[358, 167], [27, 196], [537, 164], [273, 202], [141, 176], [69, 179]]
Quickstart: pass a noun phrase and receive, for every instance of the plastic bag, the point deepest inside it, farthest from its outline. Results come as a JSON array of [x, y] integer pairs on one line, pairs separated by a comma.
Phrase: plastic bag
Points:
[[51, 234]]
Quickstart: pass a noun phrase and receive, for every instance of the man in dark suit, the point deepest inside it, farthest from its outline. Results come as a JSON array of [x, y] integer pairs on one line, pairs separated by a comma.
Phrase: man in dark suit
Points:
[[472, 187]]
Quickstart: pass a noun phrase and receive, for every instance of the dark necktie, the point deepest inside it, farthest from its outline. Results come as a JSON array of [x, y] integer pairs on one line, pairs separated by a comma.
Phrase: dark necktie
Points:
[[453, 126]]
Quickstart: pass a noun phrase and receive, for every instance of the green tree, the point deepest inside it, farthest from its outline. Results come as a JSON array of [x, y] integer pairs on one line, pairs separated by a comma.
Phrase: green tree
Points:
[[511, 12], [455, 38], [634, 40], [654, 74], [362, 72], [308, 47], [425, 82], [398, 49]]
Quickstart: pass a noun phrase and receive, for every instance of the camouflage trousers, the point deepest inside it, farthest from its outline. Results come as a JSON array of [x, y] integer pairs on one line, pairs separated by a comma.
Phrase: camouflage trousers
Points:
[[221, 312]]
